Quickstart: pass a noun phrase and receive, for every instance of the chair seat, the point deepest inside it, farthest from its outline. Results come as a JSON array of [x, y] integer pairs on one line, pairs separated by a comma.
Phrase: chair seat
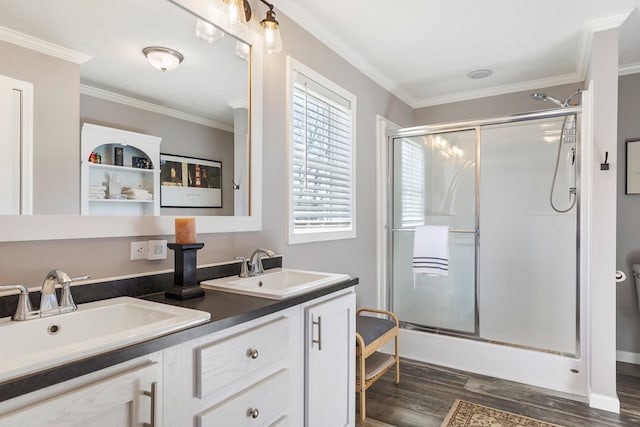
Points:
[[372, 328]]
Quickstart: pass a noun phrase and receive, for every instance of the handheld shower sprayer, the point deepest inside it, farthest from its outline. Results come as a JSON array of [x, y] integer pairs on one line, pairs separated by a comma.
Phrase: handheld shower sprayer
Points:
[[562, 104]]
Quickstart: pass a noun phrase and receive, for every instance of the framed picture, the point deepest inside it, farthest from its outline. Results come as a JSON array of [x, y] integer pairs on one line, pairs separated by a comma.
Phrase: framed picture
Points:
[[189, 182], [633, 166]]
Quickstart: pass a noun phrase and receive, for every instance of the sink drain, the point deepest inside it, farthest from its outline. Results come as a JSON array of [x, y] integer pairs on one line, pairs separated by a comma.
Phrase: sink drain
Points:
[[53, 329]]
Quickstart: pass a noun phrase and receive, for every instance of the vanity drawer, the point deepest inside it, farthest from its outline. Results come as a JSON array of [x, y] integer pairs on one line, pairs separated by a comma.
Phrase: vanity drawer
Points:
[[258, 405], [226, 361]]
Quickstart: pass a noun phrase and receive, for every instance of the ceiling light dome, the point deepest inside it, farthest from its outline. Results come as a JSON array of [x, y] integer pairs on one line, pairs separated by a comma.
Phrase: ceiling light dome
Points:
[[163, 58]]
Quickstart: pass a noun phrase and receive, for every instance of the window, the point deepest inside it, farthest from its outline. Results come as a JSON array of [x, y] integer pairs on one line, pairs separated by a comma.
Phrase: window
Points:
[[412, 187], [321, 157]]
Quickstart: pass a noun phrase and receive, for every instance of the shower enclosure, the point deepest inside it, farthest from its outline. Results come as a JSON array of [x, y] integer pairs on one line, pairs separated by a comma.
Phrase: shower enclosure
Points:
[[508, 192]]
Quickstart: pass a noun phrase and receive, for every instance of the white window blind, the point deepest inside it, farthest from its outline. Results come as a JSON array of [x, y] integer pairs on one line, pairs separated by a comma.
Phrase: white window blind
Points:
[[412, 178], [322, 166]]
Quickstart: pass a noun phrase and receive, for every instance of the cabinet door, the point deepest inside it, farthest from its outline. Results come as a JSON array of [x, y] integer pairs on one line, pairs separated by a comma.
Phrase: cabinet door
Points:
[[113, 402], [330, 362]]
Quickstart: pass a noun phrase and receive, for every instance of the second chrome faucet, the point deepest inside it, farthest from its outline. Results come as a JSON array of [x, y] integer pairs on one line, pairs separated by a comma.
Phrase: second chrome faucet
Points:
[[255, 262]]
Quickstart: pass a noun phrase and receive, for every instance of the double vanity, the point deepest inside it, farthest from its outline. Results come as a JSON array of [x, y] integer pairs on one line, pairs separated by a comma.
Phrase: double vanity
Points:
[[229, 358]]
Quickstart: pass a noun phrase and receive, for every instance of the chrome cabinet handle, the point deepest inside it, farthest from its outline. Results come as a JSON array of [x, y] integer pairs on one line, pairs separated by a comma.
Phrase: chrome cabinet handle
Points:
[[253, 353], [152, 395], [319, 340], [253, 413]]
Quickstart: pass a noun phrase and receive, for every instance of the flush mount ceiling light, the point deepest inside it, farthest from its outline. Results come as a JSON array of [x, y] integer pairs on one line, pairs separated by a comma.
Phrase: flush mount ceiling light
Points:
[[239, 12], [479, 74], [207, 32], [163, 58]]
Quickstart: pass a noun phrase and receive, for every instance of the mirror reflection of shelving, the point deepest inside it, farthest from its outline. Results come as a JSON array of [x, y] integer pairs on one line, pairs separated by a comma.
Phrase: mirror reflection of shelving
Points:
[[120, 172]]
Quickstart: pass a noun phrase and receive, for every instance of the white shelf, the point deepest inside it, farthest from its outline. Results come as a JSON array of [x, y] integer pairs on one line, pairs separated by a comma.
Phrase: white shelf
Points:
[[104, 141], [120, 201], [118, 168]]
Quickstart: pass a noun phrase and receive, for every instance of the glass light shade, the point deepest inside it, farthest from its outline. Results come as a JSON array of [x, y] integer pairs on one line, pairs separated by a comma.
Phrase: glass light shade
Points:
[[208, 32], [271, 34], [242, 50], [234, 10], [163, 58]]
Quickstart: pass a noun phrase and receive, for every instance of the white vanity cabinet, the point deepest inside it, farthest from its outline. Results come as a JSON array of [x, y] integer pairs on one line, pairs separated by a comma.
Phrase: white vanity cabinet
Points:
[[247, 375], [136, 166], [124, 395], [329, 347]]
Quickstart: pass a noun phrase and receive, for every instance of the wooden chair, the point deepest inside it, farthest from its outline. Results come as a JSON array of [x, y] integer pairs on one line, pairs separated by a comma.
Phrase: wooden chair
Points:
[[371, 334]]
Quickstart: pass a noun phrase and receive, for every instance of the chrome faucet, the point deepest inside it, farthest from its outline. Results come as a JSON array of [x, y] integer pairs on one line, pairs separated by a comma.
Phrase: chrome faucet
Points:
[[255, 262], [48, 300], [49, 305]]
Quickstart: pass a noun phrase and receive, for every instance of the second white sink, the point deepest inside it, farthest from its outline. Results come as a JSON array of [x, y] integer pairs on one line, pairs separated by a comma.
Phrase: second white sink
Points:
[[277, 283], [96, 327]]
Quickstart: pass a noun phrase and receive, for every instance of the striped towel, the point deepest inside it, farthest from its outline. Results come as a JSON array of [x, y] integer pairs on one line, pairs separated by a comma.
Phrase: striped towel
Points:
[[431, 250]]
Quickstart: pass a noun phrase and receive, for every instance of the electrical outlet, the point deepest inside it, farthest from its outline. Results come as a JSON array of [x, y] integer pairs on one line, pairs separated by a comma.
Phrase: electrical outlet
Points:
[[138, 251], [157, 249]]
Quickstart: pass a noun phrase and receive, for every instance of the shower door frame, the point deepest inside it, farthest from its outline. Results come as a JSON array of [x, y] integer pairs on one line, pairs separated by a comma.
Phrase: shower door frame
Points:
[[476, 125]]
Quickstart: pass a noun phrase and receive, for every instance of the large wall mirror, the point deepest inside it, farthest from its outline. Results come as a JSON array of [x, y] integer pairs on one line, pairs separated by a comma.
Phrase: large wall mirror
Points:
[[82, 62]]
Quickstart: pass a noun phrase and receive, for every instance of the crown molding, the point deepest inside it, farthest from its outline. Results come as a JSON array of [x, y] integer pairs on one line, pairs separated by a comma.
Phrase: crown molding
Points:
[[154, 108], [310, 24], [500, 90], [42, 46], [627, 69], [608, 22]]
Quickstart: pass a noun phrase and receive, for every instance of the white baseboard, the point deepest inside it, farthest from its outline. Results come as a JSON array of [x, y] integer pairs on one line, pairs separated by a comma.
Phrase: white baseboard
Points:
[[627, 356], [606, 403]]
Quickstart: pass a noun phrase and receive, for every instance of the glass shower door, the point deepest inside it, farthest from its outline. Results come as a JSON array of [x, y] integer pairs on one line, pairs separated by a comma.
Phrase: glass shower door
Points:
[[527, 279], [434, 183]]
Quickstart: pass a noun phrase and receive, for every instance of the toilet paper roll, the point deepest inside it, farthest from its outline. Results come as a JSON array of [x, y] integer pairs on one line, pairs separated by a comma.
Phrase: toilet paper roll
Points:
[[620, 276]]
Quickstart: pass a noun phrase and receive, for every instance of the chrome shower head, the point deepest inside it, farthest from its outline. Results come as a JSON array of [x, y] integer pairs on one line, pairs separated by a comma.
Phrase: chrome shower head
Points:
[[543, 97]]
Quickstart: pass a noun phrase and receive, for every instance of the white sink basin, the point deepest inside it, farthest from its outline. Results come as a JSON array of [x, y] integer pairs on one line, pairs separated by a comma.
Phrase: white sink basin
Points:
[[32, 345], [277, 283]]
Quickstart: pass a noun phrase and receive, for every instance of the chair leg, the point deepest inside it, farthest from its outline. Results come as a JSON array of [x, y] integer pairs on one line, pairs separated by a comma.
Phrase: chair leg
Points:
[[397, 356], [363, 392]]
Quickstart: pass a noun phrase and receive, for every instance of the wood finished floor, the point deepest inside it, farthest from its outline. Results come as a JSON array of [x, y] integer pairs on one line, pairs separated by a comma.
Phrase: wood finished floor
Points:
[[426, 392]]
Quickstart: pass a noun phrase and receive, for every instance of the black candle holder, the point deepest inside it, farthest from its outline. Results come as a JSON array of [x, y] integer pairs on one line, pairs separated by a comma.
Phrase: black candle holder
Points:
[[185, 281]]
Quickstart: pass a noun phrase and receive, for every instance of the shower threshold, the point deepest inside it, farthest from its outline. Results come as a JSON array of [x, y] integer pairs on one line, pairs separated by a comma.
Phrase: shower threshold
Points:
[[475, 337]]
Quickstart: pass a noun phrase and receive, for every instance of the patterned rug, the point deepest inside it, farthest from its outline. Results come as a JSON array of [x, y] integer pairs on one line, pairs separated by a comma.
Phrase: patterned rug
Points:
[[467, 414]]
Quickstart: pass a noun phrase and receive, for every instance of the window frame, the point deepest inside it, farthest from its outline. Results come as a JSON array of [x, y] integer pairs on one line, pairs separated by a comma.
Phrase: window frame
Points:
[[296, 236]]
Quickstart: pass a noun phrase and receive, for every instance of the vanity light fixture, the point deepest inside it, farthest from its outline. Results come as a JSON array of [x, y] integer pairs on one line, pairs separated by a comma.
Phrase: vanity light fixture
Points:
[[270, 31], [237, 11], [208, 32], [270, 27], [163, 58]]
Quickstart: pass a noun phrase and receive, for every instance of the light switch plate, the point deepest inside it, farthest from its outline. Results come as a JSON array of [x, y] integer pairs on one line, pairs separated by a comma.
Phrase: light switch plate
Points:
[[157, 249]]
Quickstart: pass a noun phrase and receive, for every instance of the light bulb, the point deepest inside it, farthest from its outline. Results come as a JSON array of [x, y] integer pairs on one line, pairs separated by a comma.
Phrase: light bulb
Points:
[[235, 11], [271, 33], [242, 50]]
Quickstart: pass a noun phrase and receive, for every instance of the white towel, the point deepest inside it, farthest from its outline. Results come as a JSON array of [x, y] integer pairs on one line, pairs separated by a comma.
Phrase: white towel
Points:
[[431, 250]]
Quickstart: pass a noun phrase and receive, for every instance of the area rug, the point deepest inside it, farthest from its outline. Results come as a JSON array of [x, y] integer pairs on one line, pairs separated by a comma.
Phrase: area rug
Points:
[[467, 414]]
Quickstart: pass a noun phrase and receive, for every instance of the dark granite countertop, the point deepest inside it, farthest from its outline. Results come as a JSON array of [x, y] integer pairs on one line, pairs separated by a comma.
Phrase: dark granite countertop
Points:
[[226, 310]]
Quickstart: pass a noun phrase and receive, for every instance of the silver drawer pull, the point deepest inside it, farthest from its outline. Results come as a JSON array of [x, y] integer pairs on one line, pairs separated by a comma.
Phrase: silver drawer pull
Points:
[[152, 395], [253, 353], [319, 340], [253, 413]]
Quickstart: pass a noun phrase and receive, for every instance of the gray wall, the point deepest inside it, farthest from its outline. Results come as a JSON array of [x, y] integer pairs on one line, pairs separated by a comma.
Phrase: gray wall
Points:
[[30, 261], [628, 218], [178, 137], [56, 139]]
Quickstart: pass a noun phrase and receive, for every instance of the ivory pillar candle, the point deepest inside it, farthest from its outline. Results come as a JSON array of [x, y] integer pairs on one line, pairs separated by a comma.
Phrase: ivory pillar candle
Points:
[[185, 230]]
